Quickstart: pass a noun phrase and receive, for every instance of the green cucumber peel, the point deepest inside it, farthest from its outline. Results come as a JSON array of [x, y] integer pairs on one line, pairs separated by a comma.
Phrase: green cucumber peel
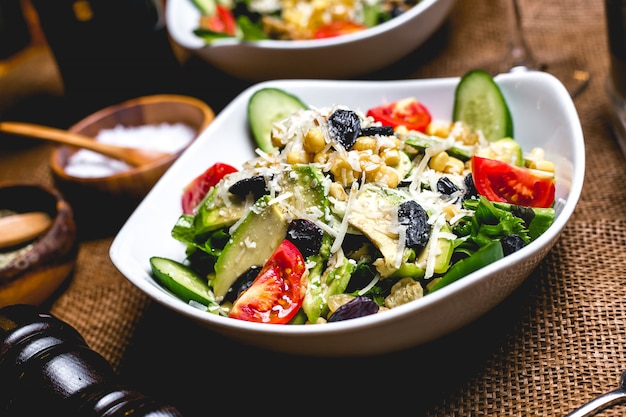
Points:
[[266, 107], [479, 102]]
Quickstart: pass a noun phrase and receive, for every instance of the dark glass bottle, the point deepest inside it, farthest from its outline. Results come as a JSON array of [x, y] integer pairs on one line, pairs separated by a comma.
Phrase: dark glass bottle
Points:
[[46, 368], [14, 31], [615, 11], [109, 51]]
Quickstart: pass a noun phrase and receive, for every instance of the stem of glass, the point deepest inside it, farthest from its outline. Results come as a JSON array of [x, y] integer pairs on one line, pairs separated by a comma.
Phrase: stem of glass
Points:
[[520, 54]]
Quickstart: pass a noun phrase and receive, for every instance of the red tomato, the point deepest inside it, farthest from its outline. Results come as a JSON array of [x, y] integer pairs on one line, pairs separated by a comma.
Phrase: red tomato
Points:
[[338, 28], [407, 112], [277, 293], [223, 21], [195, 191], [499, 181]]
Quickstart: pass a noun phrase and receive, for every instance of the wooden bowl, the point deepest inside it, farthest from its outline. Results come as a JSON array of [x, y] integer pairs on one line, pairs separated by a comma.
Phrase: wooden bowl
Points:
[[31, 272], [147, 110], [108, 200]]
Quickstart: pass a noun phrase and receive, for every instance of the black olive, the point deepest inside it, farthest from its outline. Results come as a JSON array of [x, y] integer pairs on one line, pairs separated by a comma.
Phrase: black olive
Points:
[[244, 282], [306, 236], [470, 188], [525, 213], [446, 187], [241, 9], [415, 218], [377, 130], [253, 185], [511, 243], [357, 307], [344, 127], [396, 11]]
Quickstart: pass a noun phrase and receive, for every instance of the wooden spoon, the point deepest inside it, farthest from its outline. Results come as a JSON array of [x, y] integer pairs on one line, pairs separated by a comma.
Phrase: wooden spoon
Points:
[[20, 228], [132, 156]]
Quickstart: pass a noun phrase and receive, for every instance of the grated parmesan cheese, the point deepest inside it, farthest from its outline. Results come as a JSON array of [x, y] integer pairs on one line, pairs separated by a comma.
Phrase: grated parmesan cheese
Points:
[[433, 247], [341, 233]]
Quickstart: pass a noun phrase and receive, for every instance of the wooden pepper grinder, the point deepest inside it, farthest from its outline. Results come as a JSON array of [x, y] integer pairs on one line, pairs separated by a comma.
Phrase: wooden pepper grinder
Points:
[[46, 368]]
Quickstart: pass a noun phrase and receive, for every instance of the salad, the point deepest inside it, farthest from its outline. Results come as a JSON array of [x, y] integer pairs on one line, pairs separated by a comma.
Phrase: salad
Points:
[[292, 19], [346, 213]]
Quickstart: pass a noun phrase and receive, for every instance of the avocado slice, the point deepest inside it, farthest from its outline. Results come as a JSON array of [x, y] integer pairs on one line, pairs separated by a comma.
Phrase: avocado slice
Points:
[[265, 226], [370, 199], [445, 247], [307, 185], [214, 215], [253, 242]]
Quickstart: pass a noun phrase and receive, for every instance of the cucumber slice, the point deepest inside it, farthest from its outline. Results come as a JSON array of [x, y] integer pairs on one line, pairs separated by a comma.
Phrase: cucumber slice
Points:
[[206, 7], [266, 107], [478, 101], [181, 280]]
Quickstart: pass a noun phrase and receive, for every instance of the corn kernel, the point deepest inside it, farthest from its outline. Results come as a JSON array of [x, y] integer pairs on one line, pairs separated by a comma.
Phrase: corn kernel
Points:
[[276, 141], [364, 143], [371, 174], [388, 176], [342, 171], [454, 166], [438, 128], [338, 165], [321, 157], [390, 156], [314, 141], [337, 191], [369, 163], [388, 143], [471, 139], [438, 162], [543, 165], [401, 130], [298, 157], [450, 211]]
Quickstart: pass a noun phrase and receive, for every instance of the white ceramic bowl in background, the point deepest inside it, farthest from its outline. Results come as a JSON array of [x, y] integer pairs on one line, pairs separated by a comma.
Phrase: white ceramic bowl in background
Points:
[[543, 115], [341, 57]]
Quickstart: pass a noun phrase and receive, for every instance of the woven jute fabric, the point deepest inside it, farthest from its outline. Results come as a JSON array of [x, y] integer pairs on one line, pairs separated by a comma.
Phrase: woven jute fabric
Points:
[[557, 342]]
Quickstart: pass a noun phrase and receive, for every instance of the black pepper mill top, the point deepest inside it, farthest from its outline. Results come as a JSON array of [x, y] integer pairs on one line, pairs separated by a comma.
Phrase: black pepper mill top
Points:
[[46, 368]]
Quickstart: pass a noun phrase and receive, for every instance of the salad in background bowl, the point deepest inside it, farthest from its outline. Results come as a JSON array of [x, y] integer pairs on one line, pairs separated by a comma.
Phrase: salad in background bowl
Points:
[[292, 20], [555, 129], [251, 57]]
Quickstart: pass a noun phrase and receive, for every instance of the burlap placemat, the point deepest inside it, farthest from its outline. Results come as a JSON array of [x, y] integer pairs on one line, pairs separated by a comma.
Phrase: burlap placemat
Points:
[[554, 344]]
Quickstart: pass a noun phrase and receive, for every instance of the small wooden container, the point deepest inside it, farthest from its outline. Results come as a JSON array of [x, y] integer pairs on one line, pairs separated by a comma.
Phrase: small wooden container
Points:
[[105, 202], [147, 110], [32, 271]]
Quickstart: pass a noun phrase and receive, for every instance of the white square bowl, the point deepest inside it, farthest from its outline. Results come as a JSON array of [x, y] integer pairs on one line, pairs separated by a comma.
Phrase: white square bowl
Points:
[[543, 116]]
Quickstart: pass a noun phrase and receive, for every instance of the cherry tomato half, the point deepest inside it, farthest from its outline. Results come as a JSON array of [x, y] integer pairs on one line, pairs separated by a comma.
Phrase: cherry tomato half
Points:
[[277, 292], [338, 28], [223, 21], [499, 181], [195, 191], [407, 112]]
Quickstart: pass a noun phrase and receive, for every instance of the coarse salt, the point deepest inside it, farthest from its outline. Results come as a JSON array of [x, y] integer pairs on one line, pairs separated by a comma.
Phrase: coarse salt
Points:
[[163, 137]]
